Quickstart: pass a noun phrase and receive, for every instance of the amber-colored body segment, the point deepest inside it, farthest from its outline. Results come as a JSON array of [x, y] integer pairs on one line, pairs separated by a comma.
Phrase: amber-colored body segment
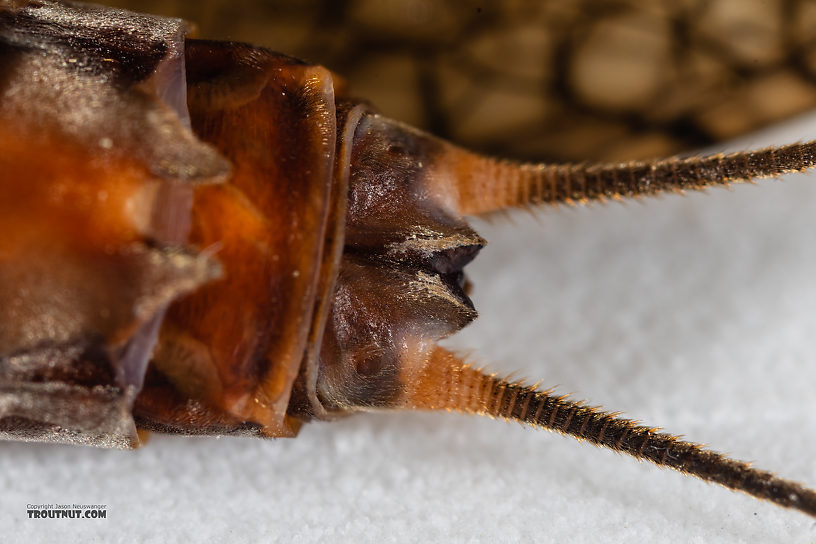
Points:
[[228, 354], [304, 399], [93, 213]]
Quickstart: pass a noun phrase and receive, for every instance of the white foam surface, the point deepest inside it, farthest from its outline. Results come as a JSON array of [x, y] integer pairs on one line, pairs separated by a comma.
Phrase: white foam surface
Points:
[[696, 313]]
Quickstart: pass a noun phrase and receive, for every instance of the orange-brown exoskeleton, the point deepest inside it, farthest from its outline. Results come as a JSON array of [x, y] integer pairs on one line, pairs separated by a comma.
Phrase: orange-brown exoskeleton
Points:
[[210, 238]]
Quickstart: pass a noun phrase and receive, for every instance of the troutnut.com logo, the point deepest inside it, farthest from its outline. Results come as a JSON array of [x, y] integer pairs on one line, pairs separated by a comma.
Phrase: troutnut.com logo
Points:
[[67, 511]]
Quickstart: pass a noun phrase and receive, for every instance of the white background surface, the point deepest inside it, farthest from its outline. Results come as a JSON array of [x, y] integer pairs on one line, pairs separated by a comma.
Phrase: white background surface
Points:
[[696, 313]]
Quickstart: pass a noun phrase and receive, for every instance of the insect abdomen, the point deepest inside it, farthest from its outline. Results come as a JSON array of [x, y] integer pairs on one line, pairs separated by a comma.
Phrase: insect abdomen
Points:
[[229, 353], [96, 171], [96, 178]]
